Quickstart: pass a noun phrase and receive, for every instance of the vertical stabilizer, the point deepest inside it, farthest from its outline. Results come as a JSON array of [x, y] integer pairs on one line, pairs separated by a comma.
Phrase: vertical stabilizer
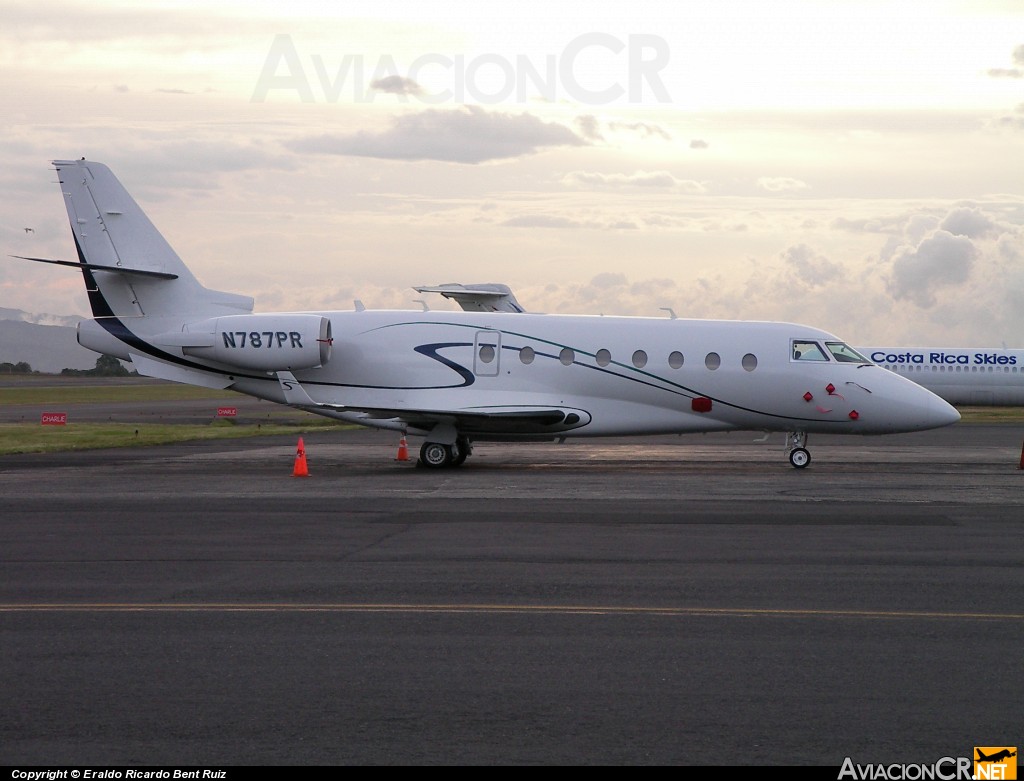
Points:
[[130, 270]]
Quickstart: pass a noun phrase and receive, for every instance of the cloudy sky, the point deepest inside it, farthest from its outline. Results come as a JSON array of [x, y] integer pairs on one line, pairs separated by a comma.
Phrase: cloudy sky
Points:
[[857, 166]]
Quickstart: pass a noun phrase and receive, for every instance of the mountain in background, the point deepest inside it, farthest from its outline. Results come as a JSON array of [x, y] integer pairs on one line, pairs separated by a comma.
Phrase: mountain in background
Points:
[[46, 342], [38, 319]]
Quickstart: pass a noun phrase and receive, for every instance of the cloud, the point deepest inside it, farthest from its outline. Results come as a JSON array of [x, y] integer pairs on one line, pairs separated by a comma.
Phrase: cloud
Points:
[[589, 127], [654, 179], [698, 144], [645, 129], [938, 261], [609, 279], [869, 224], [396, 85], [969, 222], [471, 136], [1010, 73], [554, 221], [780, 184], [543, 221], [1015, 120], [608, 293], [812, 268]]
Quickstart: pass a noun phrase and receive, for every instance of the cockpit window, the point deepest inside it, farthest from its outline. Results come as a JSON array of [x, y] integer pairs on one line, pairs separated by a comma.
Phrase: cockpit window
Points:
[[807, 351], [844, 353]]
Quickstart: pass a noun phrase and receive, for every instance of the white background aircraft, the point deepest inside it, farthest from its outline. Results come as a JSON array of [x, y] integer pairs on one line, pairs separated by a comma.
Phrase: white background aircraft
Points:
[[459, 377], [974, 376]]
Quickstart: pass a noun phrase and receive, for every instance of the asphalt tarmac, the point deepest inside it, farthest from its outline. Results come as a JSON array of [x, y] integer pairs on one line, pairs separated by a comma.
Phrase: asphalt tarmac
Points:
[[672, 600]]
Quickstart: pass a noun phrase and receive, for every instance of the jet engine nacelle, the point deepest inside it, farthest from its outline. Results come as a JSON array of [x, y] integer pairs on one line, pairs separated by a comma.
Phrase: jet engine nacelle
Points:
[[267, 343]]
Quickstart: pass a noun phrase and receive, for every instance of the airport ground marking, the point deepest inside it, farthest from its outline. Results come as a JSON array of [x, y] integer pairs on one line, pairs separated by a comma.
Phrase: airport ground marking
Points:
[[668, 612]]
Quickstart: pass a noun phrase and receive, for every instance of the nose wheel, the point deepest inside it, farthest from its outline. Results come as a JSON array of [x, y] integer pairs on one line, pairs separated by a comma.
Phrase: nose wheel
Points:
[[799, 456]]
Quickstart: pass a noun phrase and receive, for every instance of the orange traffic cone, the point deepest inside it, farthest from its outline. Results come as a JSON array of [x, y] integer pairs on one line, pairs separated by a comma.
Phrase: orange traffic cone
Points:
[[403, 450], [301, 470]]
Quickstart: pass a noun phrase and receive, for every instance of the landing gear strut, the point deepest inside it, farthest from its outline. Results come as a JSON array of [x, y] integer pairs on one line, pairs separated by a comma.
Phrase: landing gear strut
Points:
[[799, 456], [465, 451]]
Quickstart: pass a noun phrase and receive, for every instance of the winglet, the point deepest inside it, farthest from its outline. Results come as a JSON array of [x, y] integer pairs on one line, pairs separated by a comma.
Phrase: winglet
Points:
[[484, 297]]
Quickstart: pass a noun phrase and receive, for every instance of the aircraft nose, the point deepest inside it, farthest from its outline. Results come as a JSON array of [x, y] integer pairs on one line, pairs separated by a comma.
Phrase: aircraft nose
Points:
[[910, 407], [934, 412], [946, 414]]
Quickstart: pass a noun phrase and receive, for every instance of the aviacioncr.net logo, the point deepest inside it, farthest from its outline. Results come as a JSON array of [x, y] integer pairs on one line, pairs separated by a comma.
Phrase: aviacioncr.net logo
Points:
[[944, 769]]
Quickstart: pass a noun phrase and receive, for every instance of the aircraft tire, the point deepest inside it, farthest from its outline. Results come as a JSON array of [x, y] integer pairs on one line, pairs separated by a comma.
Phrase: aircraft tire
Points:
[[799, 457], [436, 455]]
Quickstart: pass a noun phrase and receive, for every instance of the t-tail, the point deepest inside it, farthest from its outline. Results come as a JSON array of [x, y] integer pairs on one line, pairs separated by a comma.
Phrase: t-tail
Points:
[[130, 270], [148, 307]]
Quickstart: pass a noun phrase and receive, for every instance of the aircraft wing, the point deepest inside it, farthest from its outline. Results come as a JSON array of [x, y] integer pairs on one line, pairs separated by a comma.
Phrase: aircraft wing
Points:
[[494, 421], [515, 420]]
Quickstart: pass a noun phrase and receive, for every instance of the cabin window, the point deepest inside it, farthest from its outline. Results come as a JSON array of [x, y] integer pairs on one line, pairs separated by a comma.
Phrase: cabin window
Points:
[[749, 362], [807, 351], [639, 359], [844, 353], [526, 355], [567, 356], [675, 360], [712, 361], [603, 357], [486, 353]]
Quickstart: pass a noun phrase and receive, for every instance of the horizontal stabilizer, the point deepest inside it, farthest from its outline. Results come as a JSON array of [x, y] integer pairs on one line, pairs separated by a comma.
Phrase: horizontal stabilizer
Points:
[[97, 267], [150, 367]]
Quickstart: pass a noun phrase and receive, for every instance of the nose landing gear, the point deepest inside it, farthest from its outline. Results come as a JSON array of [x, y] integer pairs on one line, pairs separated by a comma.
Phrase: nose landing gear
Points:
[[799, 455]]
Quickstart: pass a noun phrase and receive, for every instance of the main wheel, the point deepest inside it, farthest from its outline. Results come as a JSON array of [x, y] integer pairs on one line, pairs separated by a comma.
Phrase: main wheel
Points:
[[436, 455], [799, 457]]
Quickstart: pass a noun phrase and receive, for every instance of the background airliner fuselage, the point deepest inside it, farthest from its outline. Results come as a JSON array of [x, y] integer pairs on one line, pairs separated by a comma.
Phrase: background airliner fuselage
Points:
[[975, 376]]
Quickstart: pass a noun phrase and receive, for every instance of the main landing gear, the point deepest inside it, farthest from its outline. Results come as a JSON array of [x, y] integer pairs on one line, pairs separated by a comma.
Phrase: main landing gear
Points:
[[438, 455], [799, 456]]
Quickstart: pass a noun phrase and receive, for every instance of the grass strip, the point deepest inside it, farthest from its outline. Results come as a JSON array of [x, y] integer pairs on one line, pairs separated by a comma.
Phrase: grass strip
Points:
[[32, 438], [75, 394]]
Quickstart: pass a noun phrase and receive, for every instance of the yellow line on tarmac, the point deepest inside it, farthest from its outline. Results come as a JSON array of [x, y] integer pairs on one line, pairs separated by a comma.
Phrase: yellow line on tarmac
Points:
[[313, 607]]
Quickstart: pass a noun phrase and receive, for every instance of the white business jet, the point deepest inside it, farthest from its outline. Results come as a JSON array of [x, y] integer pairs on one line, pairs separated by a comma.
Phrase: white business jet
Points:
[[986, 376], [456, 378]]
